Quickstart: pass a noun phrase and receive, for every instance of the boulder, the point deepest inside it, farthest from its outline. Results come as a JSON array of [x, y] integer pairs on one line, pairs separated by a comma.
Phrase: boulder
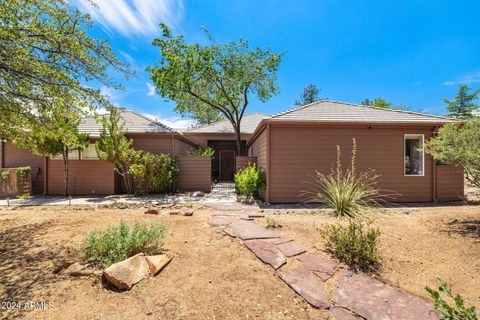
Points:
[[157, 263], [151, 211], [126, 273], [197, 194], [188, 212]]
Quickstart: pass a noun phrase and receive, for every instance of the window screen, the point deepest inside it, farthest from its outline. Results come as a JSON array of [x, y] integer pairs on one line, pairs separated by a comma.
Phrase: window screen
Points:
[[414, 155]]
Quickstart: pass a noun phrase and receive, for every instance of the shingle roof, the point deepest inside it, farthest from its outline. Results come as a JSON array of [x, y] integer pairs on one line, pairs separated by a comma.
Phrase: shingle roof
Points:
[[248, 125], [336, 111], [134, 123]]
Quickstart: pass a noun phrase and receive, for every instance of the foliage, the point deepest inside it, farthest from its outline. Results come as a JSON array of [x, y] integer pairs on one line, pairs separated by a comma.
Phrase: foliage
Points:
[[214, 81], [355, 244], [348, 192], [115, 147], [382, 103], [199, 152], [272, 222], [310, 94], [463, 105], [47, 55], [4, 174], [22, 172], [459, 144], [121, 241], [250, 180], [153, 173], [446, 312]]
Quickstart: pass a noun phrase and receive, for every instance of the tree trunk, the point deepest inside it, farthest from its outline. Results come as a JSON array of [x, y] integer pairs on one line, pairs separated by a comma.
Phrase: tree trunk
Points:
[[238, 140], [65, 172]]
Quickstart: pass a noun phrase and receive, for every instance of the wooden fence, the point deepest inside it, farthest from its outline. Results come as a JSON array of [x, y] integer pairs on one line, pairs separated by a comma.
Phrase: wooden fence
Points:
[[195, 173], [13, 186], [449, 183]]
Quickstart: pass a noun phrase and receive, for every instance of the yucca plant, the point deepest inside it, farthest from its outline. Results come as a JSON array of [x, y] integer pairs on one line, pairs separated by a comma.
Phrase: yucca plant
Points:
[[348, 192]]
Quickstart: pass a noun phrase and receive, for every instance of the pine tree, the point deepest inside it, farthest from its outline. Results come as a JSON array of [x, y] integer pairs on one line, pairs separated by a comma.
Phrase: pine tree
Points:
[[463, 106], [310, 95]]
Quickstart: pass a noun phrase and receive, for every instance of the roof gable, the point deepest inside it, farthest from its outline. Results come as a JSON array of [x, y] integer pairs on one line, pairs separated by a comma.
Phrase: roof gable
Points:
[[335, 111], [248, 125]]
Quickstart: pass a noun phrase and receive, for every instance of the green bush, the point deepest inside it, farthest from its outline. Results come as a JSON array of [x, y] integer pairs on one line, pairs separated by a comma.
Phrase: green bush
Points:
[[121, 241], [199, 152], [272, 222], [4, 174], [22, 172], [153, 173], [348, 192], [355, 244], [446, 312], [250, 180]]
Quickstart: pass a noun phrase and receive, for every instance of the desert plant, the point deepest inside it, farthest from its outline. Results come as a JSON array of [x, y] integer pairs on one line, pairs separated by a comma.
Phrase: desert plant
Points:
[[200, 152], [22, 172], [348, 192], [250, 180], [355, 244], [121, 241], [272, 222], [446, 312]]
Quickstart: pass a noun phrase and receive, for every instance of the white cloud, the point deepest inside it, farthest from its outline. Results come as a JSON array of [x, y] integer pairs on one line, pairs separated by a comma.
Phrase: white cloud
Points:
[[133, 17], [471, 77], [112, 94], [172, 122], [151, 89]]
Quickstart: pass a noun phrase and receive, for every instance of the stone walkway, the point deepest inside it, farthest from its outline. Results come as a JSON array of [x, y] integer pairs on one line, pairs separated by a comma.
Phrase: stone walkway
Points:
[[354, 295]]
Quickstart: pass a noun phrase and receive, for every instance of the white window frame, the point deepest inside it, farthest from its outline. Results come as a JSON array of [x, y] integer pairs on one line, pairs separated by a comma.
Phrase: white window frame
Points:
[[413, 136]]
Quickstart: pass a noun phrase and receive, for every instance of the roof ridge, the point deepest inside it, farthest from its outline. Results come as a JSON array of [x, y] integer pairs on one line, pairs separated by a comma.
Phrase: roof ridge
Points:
[[297, 108], [154, 121]]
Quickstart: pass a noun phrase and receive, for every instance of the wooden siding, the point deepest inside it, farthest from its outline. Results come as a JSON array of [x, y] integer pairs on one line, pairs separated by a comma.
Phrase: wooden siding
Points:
[[84, 177], [181, 147], [297, 151], [242, 162], [450, 183], [154, 144], [15, 157], [195, 173], [259, 149], [13, 186], [202, 138]]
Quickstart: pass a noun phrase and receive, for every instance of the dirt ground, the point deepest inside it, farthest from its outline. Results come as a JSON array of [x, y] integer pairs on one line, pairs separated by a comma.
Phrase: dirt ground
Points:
[[213, 276]]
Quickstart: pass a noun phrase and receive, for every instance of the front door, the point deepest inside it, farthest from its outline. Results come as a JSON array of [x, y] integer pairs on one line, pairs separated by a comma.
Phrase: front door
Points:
[[227, 165]]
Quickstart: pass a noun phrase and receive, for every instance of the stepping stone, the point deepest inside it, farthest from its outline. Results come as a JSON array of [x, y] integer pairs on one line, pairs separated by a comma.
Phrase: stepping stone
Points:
[[372, 299], [266, 252], [342, 314], [256, 215], [281, 240], [217, 221], [291, 248], [306, 284], [247, 230], [322, 267]]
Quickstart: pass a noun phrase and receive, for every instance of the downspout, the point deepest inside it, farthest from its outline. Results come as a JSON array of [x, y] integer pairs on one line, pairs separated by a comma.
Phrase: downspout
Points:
[[434, 174], [267, 156], [45, 175], [1, 152]]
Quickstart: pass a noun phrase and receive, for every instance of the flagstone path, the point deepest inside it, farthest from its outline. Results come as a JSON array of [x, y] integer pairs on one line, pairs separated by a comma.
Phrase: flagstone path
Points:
[[354, 295]]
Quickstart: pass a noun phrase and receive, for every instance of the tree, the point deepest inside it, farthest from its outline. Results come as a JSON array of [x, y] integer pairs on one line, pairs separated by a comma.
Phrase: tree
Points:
[[310, 94], [208, 81], [115, 147], [463, 106], [459, 144], [382, 103], [45, 52]]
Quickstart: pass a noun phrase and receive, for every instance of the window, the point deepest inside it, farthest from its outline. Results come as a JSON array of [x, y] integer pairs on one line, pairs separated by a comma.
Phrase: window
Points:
[[413, 156], [90, 153]]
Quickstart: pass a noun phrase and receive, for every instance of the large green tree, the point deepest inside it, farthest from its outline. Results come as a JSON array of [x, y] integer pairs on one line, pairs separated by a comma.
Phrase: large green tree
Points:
[[45, 52], [459, 144], [310, 94], [382, 103], [463, 106], [214, 80]]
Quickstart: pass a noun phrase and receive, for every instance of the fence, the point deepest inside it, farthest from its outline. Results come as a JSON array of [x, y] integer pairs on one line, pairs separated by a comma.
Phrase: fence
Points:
[[449, 182], [13, 186], [195, 173]]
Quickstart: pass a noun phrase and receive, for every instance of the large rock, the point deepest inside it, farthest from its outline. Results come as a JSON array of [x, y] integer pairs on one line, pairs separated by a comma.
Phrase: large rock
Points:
[[126, 273], [322, 267], [375, 300], [342, 314], [306, 284], [151, 211], [266, 252], [291, 248], [247, 230], [157, 263]]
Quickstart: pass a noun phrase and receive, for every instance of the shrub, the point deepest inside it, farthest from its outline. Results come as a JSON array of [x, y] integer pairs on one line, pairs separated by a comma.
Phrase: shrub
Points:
[[199, 152], [250, 180], [22, 172], [348, 192], [153, 173], [447, 312], [4, 174], [121, 241], [272, 222], [355, 244]]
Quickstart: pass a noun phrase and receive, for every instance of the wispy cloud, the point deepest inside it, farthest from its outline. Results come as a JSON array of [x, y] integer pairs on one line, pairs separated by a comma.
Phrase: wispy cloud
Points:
[[467, 78], [134, 17], [172, 122], [151, 89]]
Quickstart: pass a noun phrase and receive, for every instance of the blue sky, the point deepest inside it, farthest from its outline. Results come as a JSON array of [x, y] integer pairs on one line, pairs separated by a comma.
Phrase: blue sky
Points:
[[413, 53]]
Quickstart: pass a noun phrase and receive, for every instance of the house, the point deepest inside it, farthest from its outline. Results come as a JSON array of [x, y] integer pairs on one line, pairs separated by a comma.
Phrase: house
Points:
[[221, 137], [87, 174], [291, 145]]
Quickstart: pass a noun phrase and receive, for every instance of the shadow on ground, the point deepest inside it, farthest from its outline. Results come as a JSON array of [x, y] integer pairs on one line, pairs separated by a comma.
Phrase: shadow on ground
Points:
[[464, 227]]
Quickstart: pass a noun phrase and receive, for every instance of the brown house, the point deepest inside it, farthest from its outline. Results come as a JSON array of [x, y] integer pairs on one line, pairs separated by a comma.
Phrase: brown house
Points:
[[87, 174], [291, 145]]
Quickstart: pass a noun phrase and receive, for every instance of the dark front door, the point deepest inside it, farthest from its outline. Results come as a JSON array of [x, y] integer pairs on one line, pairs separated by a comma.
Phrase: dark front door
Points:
[[227, 165]]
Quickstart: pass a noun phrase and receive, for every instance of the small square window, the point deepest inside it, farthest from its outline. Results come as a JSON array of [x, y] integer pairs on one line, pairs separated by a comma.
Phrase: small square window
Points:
[[414, 155]]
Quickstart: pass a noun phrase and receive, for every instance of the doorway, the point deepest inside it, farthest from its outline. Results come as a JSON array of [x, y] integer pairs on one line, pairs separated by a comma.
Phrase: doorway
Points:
[[226, 165]]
